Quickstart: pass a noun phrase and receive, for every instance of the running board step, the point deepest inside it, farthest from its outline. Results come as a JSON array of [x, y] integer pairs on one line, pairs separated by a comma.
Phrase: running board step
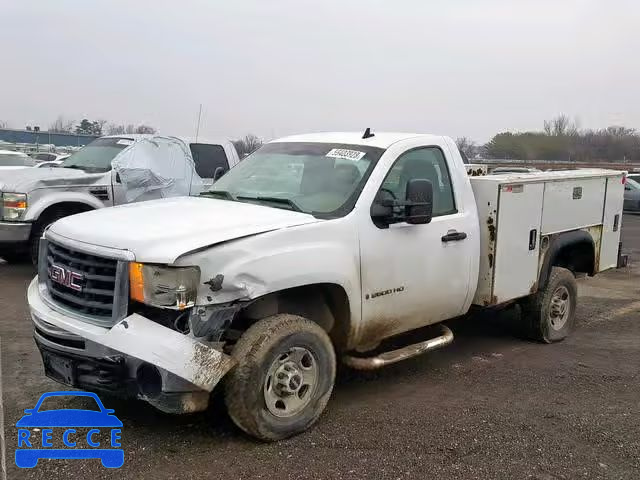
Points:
[[394, 356]]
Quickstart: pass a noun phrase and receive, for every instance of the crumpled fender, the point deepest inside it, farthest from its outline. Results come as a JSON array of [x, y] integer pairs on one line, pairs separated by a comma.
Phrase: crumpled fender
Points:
[[145, 340]]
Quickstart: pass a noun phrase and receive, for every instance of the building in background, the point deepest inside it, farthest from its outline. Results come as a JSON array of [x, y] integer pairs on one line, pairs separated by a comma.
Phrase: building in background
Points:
[[56, 139]]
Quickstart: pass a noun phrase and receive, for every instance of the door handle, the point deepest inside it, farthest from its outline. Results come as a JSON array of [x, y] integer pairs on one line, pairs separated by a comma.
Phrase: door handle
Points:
[[454, 236]]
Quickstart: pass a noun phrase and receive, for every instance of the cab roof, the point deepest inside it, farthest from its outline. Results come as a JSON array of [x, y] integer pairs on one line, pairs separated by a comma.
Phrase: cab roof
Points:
[[380, 139]]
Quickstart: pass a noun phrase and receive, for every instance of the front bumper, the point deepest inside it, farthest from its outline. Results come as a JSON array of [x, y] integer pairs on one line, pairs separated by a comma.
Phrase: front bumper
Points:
[[14, 232], [136, 358]]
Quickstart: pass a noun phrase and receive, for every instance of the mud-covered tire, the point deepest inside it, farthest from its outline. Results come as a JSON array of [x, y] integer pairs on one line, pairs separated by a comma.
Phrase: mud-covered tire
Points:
[[13, 254], [38, 229], [548, 316], [261, 348]]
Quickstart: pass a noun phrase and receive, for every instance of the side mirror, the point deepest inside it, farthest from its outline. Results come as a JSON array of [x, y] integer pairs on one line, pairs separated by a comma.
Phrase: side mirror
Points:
[[382, 210], [218, 173], [118, 180], [419, 204], [627, 187]]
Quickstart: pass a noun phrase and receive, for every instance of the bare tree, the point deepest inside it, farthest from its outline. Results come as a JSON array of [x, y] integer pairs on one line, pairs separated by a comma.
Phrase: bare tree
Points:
[[113, 129], [99, 126], [560, 126], [3, 124], [62, 125], [467, 146], [249, 144], [145, 129]]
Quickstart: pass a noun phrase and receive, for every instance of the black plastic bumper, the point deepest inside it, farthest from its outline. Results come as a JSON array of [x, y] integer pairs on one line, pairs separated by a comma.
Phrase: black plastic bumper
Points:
[[88, 373]]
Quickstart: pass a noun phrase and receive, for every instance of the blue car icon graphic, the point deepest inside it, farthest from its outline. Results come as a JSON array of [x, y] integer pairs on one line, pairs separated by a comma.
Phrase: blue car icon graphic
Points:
[[69, 419]]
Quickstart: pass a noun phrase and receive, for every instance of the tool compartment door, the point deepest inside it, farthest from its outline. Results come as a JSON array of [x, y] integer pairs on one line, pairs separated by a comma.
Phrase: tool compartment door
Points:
[[610, 224], [517, 241], [572, 203]]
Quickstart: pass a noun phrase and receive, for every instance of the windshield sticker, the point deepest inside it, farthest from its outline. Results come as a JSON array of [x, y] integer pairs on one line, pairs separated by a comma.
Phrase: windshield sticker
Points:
[[125, 141], [354, 155]]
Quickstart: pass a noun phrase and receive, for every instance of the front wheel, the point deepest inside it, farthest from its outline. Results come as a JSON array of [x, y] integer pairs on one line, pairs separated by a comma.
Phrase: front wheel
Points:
[[549, 314], [286, 368], [38, 230]]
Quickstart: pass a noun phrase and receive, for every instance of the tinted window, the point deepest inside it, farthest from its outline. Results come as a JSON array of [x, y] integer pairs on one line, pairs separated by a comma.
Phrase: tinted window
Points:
[[423, 163], [207, 158], [44, 156]]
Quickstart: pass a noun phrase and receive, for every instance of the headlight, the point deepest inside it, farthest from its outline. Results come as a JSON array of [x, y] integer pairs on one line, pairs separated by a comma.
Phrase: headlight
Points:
[[13, 206], [165, 287]]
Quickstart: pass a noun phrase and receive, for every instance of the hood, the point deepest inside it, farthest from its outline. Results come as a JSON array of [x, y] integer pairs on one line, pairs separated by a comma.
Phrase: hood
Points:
[[26, 180], [160, 231]]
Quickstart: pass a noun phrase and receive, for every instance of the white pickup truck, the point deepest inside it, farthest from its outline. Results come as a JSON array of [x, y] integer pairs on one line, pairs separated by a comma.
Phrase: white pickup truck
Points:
[[313, 248]]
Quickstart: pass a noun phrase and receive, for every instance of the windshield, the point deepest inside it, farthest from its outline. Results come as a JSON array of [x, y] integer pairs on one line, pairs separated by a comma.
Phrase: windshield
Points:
[[62, 402], [9, 160], [634, 184], [97, 156], [323, 179]]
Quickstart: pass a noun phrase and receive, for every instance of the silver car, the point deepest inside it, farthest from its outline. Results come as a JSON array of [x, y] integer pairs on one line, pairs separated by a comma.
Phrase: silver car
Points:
[[632, 195]]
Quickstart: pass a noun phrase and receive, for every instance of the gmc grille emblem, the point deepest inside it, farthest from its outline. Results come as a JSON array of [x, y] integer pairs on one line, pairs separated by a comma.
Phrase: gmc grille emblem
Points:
[[66, 277]]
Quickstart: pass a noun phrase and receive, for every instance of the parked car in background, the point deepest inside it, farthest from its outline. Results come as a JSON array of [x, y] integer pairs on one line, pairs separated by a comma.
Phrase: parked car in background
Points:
[[634, 176], [111, 170], [10, 160], [632, 194], [48, 157], [51, 164]]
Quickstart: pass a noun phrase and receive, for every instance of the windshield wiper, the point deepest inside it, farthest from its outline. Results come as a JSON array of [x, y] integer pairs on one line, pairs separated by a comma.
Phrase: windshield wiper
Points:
[[284, 201], [218, 193]]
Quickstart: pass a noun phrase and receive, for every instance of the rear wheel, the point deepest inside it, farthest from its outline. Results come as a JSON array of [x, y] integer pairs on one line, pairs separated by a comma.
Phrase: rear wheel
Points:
[[549, 315], [283, 379]]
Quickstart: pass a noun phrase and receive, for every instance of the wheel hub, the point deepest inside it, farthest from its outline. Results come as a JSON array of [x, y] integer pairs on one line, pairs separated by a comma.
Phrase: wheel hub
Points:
[[290, 382], [559, 307], [288, 379]]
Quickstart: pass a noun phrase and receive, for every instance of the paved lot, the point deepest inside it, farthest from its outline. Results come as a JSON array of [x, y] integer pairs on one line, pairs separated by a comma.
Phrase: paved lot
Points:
[[489, 406]]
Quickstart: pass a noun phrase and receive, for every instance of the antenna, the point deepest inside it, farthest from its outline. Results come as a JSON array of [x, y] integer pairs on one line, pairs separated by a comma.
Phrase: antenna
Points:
[[198, 127], [368, 134]]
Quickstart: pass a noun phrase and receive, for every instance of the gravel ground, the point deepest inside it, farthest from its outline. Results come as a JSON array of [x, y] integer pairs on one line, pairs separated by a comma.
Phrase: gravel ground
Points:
[[490, 406]]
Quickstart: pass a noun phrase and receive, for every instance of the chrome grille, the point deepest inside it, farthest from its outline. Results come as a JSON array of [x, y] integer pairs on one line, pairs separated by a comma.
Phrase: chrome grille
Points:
[[99, 285]]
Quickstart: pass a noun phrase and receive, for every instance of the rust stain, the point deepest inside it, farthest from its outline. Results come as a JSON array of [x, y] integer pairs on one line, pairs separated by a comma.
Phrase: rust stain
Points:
[[375, 330], [491, 260], [596, 234], [492, 232], [534, 287]]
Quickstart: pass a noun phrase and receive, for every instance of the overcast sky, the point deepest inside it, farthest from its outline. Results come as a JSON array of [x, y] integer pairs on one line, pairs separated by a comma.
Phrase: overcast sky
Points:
[[276, 67]]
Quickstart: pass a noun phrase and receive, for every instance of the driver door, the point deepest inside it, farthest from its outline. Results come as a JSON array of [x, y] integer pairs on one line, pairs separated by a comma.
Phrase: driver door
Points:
[[119, 197], [414, 275]]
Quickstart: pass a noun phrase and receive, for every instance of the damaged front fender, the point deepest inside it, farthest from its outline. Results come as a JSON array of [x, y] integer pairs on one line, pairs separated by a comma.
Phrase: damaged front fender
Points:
[[145, 340]]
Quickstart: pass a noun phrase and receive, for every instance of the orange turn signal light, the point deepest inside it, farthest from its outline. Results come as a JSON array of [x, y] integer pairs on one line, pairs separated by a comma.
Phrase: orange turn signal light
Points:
[[15, 204], [136, 281]]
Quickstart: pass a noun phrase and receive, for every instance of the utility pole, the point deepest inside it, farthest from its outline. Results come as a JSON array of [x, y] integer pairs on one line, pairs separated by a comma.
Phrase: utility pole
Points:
[[198, 127]]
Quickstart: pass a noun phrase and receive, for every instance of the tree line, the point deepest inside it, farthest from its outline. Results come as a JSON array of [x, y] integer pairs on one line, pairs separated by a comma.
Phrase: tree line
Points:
[[96, 127], [560, 139]]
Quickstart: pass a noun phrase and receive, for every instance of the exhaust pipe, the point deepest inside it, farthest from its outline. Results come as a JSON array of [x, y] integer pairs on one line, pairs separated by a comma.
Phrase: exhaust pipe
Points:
[[394, 356]]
